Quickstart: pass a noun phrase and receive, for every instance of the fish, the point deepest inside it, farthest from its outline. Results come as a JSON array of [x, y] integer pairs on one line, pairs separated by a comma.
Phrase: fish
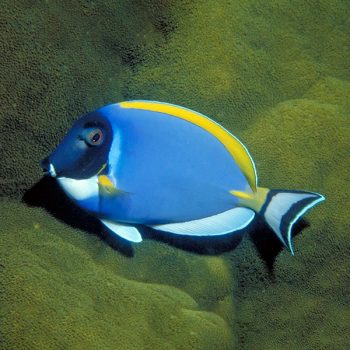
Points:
[[167, 167]]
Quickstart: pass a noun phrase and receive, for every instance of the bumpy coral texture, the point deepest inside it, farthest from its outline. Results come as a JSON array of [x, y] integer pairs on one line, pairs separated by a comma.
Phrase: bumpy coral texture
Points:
[[276, 74], [65, 289], [60, 59], [304, 299]]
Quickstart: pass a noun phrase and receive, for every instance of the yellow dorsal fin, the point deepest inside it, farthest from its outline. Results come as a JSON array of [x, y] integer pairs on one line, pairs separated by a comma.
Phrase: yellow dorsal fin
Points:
[[237, 150]]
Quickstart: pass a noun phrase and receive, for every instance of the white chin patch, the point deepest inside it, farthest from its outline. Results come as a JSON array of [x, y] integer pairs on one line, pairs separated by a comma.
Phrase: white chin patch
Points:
[[79, 189]]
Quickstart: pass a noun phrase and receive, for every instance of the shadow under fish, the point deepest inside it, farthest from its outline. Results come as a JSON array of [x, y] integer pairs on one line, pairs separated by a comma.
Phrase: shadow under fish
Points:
[[48, 195]]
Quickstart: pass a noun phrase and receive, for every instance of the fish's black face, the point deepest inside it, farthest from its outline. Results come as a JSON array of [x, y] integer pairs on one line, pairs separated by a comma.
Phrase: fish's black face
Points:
[[84, 150]]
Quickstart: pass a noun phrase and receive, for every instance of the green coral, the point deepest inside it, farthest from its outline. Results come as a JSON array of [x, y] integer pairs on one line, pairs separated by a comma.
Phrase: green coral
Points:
[[56, 292], [304, 304], [275, 73], [233, 59], [60, 60]]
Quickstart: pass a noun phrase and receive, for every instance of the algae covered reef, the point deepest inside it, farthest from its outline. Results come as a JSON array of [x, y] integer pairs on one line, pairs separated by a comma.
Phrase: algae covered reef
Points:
[[65, 289], [274, 73]]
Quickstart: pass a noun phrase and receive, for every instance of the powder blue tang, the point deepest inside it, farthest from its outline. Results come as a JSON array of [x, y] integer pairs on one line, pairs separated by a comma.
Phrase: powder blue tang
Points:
[[170, 168]]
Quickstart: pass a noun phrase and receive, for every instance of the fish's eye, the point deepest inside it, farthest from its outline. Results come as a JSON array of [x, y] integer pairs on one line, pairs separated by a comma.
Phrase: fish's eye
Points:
[[93, 136]]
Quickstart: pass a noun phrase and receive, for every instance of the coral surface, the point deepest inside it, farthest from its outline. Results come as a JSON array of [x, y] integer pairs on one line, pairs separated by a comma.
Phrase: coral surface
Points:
[[63, 288], [276, 74], [303, 303]]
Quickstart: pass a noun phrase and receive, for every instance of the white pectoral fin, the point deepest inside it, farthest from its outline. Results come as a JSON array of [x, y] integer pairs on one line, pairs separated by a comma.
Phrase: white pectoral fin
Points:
[[127, 232], [220, 224]]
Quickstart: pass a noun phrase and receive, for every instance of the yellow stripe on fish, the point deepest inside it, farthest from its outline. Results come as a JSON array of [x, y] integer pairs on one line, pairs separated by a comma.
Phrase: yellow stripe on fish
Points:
[[237, 150]]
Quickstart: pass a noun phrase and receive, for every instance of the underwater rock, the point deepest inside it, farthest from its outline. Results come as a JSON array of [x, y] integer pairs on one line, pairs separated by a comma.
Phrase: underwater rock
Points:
[[275, 73], [62, 288], [303, 299], [233, 60], [60, 60]]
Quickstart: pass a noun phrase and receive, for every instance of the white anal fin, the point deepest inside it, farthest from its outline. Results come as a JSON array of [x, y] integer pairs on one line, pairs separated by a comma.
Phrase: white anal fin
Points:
[[220, 224], [127, 232]]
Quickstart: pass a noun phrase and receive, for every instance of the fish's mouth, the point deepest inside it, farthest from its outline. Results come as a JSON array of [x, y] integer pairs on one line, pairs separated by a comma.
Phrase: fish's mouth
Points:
[[48, 168]]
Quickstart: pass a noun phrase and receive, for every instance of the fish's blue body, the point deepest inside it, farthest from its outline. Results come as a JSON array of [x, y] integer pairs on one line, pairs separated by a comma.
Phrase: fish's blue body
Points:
[[170, 168], [176, 170]]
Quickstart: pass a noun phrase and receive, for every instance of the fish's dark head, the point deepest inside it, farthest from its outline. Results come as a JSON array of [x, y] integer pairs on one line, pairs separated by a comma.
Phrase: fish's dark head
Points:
[[83, 152]]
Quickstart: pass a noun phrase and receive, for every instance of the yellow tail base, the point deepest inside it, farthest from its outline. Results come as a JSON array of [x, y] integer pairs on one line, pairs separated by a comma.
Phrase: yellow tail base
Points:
[[253, 200]]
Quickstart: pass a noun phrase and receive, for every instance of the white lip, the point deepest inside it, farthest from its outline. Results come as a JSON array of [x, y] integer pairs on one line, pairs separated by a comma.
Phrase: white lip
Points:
[[52, 170]]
